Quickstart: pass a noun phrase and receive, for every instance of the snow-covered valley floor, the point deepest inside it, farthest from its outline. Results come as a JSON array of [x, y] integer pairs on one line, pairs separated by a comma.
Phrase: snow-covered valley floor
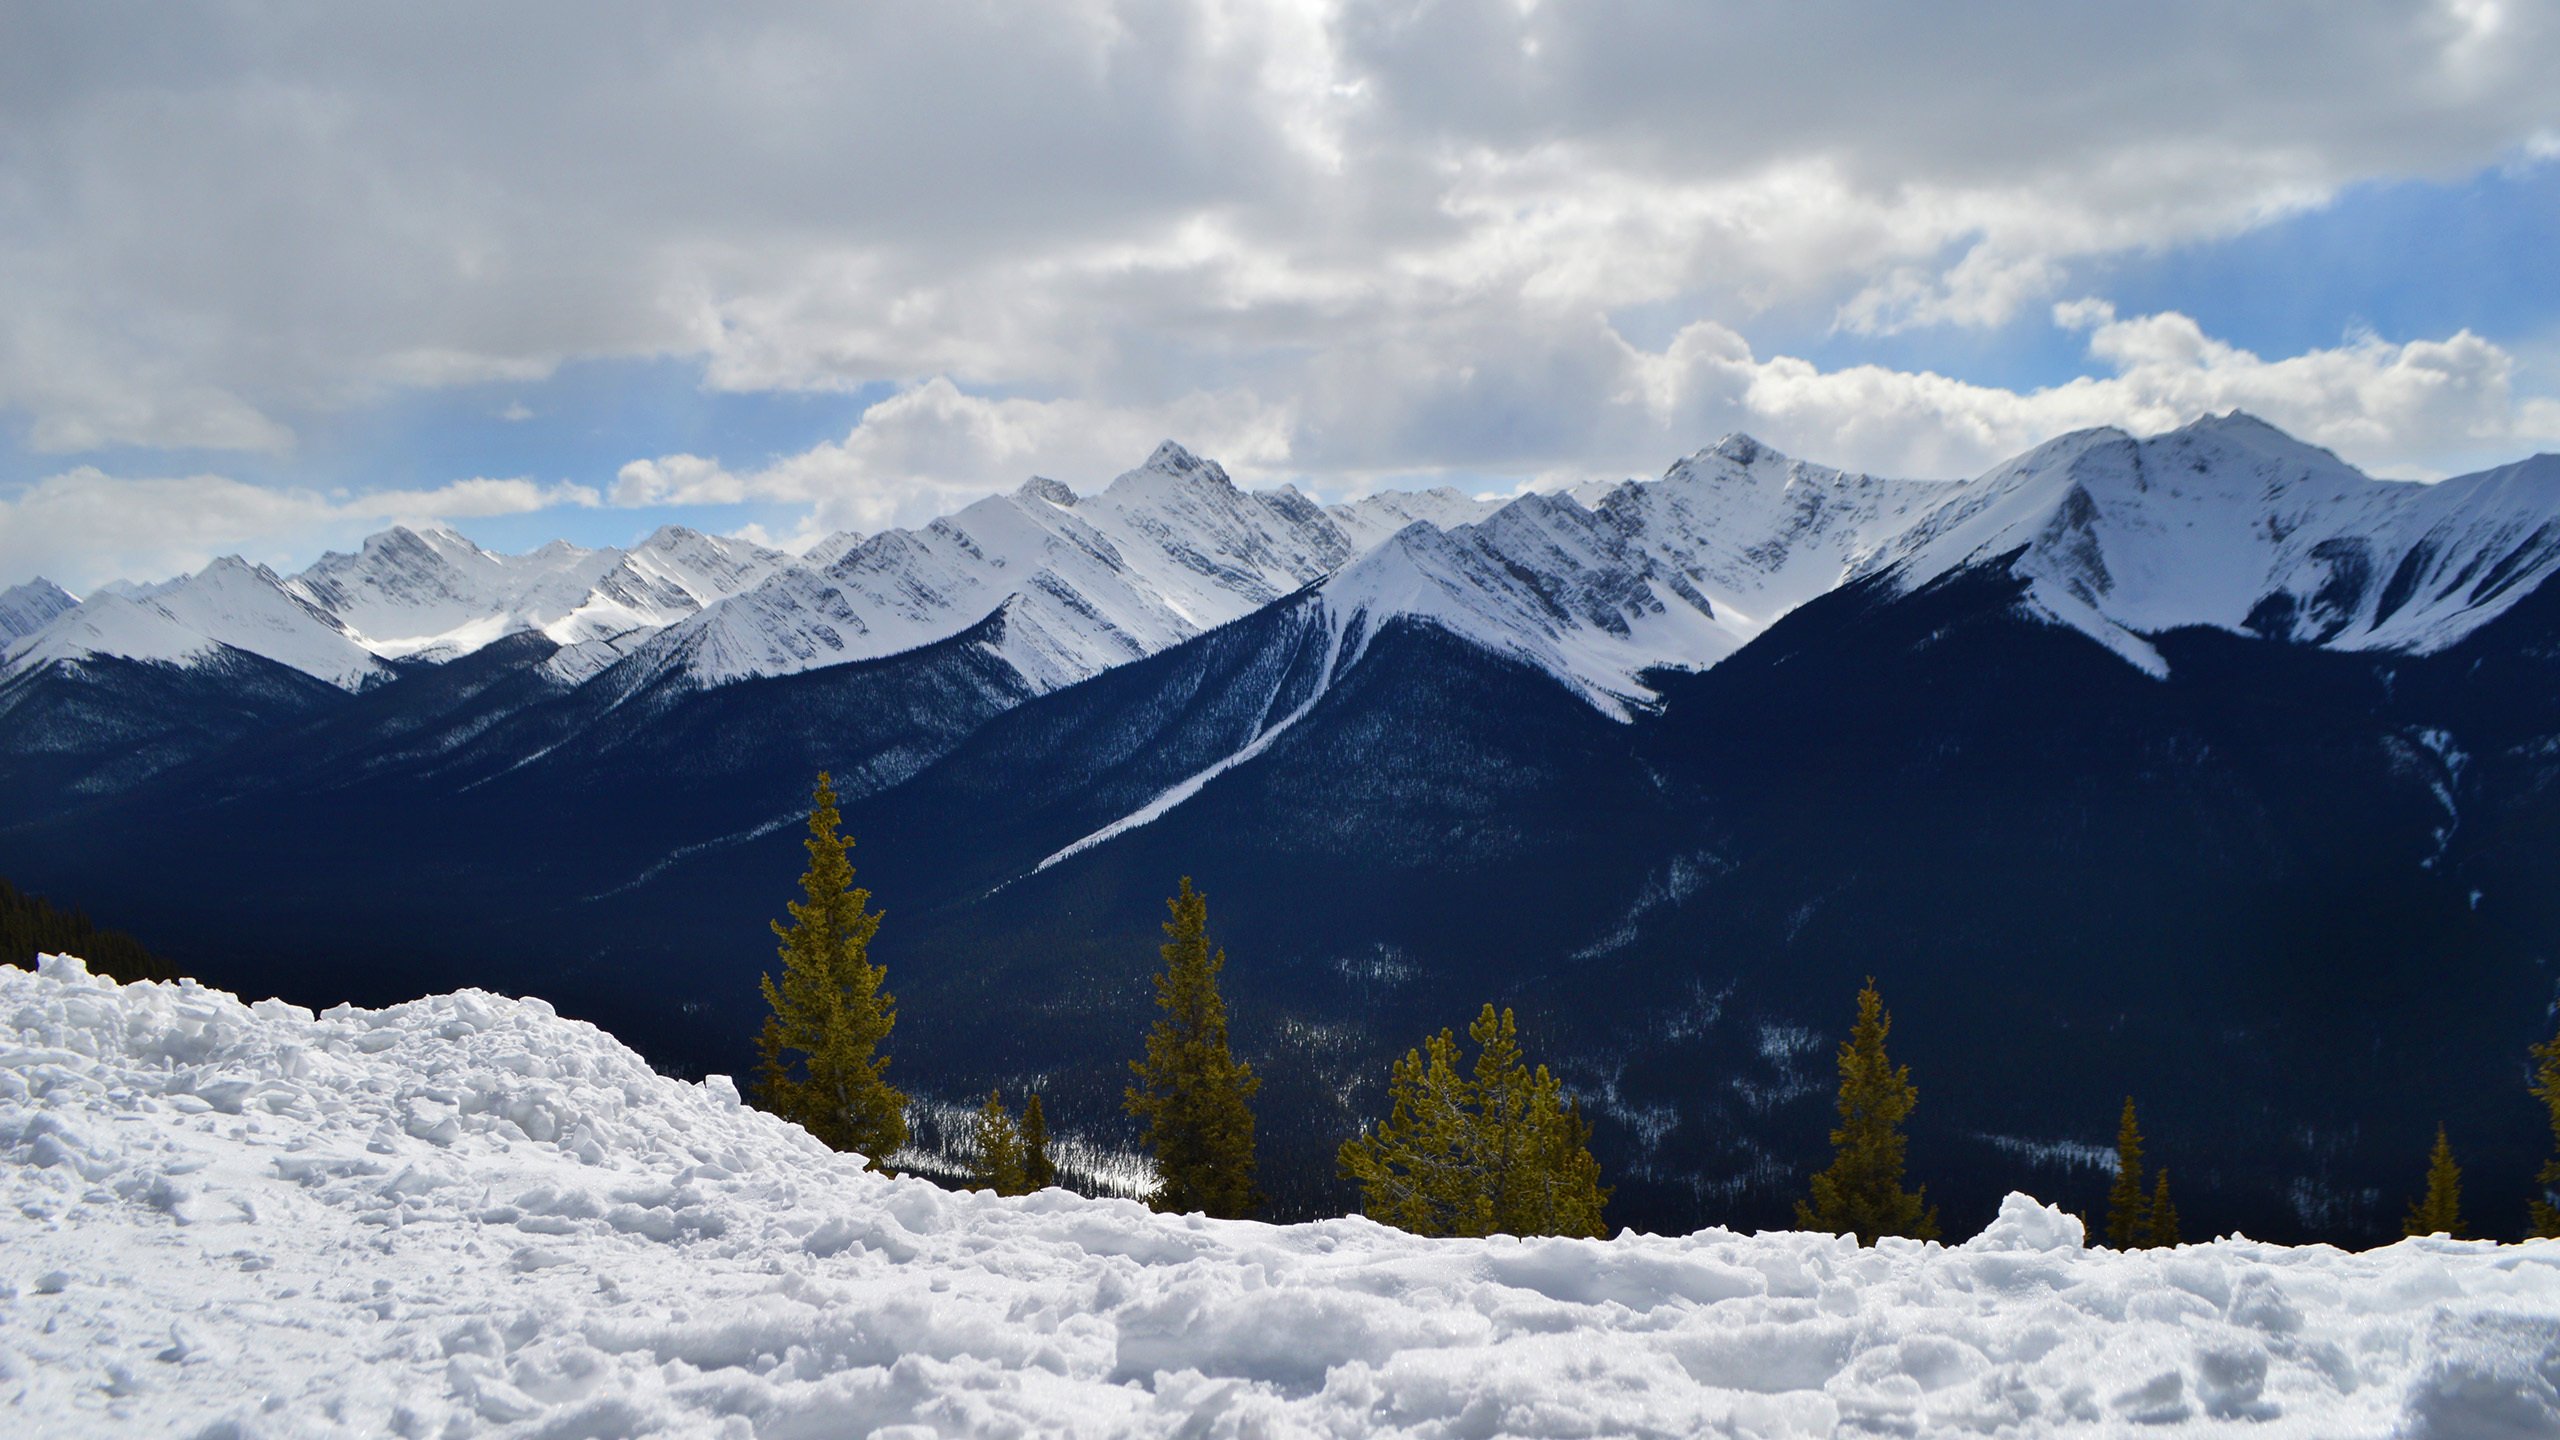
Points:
[[466, 1216]]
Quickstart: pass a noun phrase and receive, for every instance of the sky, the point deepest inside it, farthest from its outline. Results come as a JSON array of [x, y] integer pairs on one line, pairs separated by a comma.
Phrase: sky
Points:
[[273, 277]]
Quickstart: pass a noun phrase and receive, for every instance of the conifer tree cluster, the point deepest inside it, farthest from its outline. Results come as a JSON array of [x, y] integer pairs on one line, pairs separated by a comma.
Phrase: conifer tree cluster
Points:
[[1012, 1158], [1192, 1093], [1497, 1151], [819, 1057], [1861, 1193], [2138, 1219]]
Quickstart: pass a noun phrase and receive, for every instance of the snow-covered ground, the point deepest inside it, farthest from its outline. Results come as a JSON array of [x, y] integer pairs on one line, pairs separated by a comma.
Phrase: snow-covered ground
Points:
[[466, 1216]]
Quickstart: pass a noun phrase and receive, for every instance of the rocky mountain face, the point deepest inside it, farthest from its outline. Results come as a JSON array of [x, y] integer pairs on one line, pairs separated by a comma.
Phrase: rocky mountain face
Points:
[[2197, 766]]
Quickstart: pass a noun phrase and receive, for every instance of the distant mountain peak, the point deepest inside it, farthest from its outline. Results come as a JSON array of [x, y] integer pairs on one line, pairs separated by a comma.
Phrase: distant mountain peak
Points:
[[1742, 449], [27, 608], [1170, 455], [1056, 492], [1171, 461]]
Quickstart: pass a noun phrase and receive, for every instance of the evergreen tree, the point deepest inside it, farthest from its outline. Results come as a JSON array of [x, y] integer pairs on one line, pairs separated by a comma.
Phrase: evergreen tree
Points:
[[819, 1056], [1192, 1092], [1038, 1173], [2128, 1208], [2161, 1225], [2545, 1211], [999, 1162], [1861, 1194], [2440, 1211], [1416, 1167], [1500, 1150], [1568, 1197]]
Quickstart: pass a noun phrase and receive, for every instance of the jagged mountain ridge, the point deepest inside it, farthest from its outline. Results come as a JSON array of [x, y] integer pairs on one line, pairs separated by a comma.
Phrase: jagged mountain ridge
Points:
[[27, 608], [2225, 522], [432, 594]]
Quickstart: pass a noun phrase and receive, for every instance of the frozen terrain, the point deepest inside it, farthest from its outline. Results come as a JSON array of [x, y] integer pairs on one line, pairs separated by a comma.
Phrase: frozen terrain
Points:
[[468, 1216]]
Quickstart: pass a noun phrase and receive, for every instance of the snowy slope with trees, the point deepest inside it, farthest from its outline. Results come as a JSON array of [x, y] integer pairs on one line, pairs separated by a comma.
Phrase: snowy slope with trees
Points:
[[465, 1215]]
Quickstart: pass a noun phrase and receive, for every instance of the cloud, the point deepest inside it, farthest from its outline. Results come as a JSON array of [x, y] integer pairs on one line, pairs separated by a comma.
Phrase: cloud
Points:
[[2395, 409], [923, 451], [84, 526], [253, 216], [1588, 404]]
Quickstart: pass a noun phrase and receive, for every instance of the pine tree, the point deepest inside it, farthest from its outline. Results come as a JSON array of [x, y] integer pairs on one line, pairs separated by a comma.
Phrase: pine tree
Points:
[[2160, 1229], [1861, 1194], [1567, 1197], [1038, 1173], [1192, 1092], [819, 1055], [998, 1166], [2544, 1213], [2128, 1208], [2440, 1211], [1499, 1150], [1416, 1167]]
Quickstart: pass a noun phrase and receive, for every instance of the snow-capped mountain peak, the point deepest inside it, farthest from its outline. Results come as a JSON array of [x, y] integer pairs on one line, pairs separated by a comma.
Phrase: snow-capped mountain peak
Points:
[[1041, 487], [27, 608], [1170, 458], [1086, 582], [229, 603]]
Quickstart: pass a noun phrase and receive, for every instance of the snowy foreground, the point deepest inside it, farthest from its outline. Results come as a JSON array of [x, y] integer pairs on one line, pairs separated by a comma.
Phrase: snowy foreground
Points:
[[468, 1216]]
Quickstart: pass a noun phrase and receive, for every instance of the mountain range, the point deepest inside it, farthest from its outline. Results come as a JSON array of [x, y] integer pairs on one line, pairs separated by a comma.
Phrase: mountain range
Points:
[[2199, 766]]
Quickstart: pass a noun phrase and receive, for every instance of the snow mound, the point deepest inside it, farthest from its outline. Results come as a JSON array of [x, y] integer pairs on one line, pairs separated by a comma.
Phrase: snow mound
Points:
[[466, 1216]]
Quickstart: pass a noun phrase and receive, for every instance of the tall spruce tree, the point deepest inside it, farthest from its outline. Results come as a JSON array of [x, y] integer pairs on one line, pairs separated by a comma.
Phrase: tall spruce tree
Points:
[[1192, 1092], [2544, 1212], [1498, 1150], [2160, 1227], [2439, 1211], [819, 1057], [2128, 1204], [1861, 1193], [998, 1165], [1038, 1171]]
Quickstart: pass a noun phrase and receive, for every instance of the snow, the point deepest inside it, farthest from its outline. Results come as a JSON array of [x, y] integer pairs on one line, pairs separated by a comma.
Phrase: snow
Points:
[[430, 592], [425, 593], [27, 608], [467, 1216], [2225, 522], [1371, 519], [1168, 550], [1597, 587], [228, 603]]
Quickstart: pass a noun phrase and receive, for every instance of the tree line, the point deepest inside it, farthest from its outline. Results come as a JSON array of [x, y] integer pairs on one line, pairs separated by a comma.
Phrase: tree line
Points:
[[1474, 1146], [31, 926]]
